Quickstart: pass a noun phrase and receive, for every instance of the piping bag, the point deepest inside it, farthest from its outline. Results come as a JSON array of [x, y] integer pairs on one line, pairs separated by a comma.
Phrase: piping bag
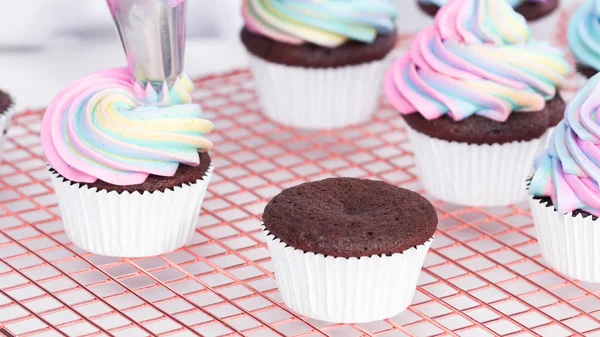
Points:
[[153, 35]]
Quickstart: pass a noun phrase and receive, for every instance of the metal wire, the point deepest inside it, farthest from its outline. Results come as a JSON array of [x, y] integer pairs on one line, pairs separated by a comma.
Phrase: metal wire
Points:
[[484, 275]]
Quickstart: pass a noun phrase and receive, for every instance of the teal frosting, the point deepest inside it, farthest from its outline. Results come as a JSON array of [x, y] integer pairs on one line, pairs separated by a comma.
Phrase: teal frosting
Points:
[[584, 34]]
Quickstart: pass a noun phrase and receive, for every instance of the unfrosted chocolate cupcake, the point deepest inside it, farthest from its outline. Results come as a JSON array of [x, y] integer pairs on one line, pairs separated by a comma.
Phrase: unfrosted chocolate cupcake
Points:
[[318, 64], [583, 38], [479, 101], [530, 9], [348, 250], [6, 114]]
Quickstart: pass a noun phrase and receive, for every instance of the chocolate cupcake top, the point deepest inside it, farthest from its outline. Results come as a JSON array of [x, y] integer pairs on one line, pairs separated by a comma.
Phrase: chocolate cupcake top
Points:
[[347, 217], [568, 171], [584, 35], [5, 102], [326, 23], [107, 127], [476, 59]]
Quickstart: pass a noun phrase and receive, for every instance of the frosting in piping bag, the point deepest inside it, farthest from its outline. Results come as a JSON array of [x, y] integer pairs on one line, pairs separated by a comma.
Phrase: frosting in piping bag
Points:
[[328, 23], [106, 126], [569, 170], [584, 34], [476, 59]]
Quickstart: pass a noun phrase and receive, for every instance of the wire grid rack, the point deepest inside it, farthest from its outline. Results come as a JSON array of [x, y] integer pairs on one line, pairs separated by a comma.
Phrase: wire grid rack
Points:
[[484, 275]]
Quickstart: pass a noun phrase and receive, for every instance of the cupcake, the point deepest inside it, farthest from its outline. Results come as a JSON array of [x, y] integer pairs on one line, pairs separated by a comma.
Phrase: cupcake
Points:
[[530, 9], [564, 190], [6, 114], [318, 64], [348, 250], [584, 39], [129, 165], [478, 98]]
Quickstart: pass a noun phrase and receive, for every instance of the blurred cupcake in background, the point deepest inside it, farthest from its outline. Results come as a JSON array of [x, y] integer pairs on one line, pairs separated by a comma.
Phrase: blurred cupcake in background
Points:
[[478, 97], [584, 38], [318, 64], [6, 115], [565, 189]]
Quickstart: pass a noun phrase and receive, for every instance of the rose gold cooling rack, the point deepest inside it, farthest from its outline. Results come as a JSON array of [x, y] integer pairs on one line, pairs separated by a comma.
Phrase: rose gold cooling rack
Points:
[[483, 277]]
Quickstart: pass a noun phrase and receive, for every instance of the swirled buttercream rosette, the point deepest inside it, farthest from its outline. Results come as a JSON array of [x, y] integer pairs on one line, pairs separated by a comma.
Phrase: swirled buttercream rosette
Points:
[[6, 114], [318, 64], [129, 164], [476, 68], [532, 10], [565, 191], [583, 37]]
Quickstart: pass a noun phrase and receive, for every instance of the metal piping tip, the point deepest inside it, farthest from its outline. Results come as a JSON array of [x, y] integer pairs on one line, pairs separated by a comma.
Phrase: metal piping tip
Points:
[[153, 35]]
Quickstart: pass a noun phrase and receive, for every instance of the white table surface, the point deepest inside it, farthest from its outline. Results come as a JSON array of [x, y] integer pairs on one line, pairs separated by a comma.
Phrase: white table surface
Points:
[[33, 77]]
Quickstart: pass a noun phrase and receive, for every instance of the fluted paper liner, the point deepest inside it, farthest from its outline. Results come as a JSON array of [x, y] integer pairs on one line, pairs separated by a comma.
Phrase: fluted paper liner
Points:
[[346, 290], [318, 98], [5, 119], [570, 244], [472, 174], [129, 224]]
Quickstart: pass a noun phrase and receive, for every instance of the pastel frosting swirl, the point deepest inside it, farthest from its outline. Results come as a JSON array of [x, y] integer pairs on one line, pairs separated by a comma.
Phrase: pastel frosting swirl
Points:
[[327, 23], [106, 126], [513, 3], [584, 34], [568, 171], [476, 59]]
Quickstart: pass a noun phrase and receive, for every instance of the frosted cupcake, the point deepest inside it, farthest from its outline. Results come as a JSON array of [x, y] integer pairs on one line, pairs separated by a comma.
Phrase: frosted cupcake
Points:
[[129, 165], [565, 192], [318, 64], [6, 114], [530, 9], [584, 38], [478, 97]]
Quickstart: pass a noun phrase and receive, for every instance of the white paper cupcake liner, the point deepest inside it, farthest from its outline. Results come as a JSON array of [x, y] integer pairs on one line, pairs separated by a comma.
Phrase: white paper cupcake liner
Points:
[[341, 290], [321, 98], [129, 224], [471, 174], [5, 119], [570, 244]]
